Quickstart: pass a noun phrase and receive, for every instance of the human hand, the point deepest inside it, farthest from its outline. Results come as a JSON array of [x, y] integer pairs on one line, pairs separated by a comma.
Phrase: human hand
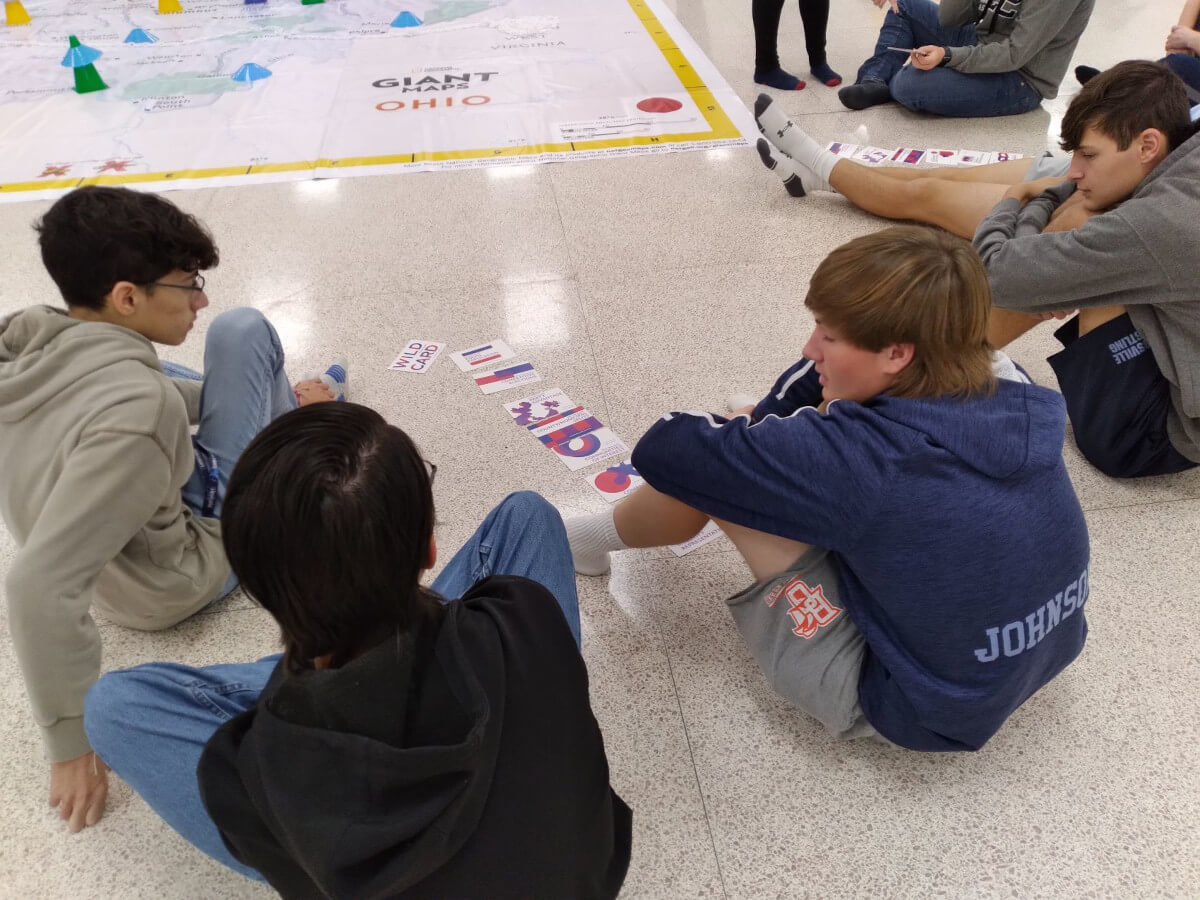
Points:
[[1024, 191], [892, 3], [1183, 39], [312, 391], [1070, 214], [78, 789], [928, 57], [1060, 314]]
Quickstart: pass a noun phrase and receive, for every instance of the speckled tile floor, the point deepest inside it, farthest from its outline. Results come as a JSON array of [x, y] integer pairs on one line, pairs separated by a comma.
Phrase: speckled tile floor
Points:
[[641, 285]]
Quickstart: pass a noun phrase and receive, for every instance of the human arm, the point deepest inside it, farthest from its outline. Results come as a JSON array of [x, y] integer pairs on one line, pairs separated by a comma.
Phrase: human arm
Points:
[[1190, 14], [794, 389], [89, 516], [1037, 24], [808, 477], [1183, 39], [190, 389], [1102, 262]]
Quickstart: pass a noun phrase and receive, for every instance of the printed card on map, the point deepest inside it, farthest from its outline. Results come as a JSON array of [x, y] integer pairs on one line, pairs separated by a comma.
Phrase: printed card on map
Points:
[[908, 156], [579, 438], [837, 148], [507, 377], [707, 535], [942, 157], [1004, 156], [617, 481], [418, 357], [532, 411], [872, 156], [974, 157], [483, 356]]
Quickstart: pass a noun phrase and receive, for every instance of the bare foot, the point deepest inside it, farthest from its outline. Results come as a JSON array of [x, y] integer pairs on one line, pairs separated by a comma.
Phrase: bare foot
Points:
[[313, 391]]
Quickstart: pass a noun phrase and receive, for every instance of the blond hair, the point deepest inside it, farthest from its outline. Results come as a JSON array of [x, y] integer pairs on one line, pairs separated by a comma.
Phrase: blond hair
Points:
[[912, 285]]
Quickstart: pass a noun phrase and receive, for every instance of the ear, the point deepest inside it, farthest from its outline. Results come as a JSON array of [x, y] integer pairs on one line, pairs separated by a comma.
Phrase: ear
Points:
[[431, 553], [1152, 147], [123, 298], [896, 357]]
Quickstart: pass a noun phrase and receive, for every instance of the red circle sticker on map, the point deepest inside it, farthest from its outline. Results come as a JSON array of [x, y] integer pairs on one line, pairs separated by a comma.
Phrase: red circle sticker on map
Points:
[[660, 105]]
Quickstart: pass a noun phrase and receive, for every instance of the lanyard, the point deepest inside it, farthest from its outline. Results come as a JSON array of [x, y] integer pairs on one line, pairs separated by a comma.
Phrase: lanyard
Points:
[[207, 464]]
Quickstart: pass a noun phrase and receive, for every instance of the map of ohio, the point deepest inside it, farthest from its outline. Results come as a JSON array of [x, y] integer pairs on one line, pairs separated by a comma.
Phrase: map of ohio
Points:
[[348, 87]]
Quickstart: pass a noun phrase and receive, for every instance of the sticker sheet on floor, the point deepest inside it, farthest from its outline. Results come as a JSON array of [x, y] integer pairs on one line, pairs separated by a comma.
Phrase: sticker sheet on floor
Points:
[[226, 92]]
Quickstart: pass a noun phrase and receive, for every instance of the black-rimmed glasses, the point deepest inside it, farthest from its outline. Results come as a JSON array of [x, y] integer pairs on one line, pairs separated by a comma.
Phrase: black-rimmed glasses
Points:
[[198, 286]]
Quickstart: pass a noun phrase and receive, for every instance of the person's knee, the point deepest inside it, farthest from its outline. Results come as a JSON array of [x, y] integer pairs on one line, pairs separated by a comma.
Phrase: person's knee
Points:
[[106, 710], [528, 506], [240, 327], [907, 90]]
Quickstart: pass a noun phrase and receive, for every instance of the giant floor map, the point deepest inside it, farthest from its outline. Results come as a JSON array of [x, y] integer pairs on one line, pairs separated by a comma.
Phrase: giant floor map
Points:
[[227, 92]]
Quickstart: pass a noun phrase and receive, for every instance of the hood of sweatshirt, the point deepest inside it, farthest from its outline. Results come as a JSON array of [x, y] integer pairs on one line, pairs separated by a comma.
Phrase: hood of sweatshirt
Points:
[[370, 776], [44, 352], [1017, 426]]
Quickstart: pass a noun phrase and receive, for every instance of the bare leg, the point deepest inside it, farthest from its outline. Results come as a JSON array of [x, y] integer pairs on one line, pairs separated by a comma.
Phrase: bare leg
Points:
[[647, 518], [957, 206], [1010, 173], [767, 555]]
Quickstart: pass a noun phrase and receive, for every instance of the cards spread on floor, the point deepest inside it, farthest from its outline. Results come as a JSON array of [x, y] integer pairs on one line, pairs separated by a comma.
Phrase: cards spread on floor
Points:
[[708, 534], [532, 411], [507, 377], [872, 156], [908, 155], [616, 481], [837, 148], [483, 356], [418, 357], [578, 438]]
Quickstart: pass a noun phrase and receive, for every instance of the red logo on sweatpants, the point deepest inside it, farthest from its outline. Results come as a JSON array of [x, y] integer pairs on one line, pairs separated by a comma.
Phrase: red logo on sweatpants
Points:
[[810, 607]]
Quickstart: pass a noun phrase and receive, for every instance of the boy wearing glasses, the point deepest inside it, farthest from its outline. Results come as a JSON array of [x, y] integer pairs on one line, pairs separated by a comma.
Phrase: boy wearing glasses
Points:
[[111, 500]]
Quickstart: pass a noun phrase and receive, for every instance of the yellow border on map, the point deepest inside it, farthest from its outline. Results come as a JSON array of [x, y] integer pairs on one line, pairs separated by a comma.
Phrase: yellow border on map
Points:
[[722, 128]]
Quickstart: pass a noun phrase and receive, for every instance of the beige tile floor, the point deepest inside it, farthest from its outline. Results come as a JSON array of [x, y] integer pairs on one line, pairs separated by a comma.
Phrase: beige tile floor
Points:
[[639, 286]]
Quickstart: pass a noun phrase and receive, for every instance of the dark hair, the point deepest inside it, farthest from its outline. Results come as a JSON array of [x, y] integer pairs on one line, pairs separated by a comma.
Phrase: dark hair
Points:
[[96, 236], [909, 284], [1124, 101], [327, 522]]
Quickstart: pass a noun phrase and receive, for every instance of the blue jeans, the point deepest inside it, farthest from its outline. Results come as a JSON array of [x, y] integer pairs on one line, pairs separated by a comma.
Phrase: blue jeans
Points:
[[245, 387], [942, 91], [1186, 67], [150, 723]]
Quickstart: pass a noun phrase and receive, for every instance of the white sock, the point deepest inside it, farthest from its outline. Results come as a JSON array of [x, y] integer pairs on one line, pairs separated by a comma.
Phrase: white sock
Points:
[[798, 180], [736, 402], [1004, 367], [787, 136], [592, 538]]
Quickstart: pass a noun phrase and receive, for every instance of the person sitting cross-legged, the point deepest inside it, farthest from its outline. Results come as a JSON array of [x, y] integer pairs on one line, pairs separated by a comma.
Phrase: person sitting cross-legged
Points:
[[410, 742], [919, 556]]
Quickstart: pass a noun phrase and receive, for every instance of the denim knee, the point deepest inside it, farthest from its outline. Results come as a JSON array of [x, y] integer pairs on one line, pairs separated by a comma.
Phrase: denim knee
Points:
[[907, 90], [241, 326], [529, 506], [104, 710]]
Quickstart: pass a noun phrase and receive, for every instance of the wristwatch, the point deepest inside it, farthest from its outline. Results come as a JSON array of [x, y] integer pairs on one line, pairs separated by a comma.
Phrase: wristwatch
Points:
[[945, 59]]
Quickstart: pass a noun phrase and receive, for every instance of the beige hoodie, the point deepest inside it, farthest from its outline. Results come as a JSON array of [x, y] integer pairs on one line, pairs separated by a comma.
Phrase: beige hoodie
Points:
[[95, 448]]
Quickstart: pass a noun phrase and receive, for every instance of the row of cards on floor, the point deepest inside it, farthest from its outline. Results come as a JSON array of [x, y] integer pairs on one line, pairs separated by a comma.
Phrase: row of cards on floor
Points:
[[571, 432], [874, 156]]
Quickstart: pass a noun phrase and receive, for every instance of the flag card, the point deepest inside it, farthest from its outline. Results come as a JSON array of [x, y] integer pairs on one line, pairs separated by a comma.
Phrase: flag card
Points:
[[483, 356], [617, 481], [507, 377], [872, 156], [908, 156], [974, 157], [532, 411], [707, 535], [579, 438], [941, 157], [837, 148], [418, 357]]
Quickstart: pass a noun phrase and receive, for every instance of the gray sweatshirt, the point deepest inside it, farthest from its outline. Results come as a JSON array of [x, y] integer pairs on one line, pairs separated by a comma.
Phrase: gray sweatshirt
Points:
[[1033, 37], [1141, 255], [96, 448]]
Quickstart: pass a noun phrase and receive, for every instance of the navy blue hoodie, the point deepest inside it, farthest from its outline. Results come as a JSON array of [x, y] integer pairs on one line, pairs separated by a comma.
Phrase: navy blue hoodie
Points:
[[961, 548]]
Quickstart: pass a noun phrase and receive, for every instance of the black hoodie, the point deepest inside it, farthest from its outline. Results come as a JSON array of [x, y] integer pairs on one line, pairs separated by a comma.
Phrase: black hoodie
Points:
[[462, 760]]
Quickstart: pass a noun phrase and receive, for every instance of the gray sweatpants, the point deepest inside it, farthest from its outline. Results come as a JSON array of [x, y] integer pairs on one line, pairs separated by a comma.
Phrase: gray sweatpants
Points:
[[806, 644]]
